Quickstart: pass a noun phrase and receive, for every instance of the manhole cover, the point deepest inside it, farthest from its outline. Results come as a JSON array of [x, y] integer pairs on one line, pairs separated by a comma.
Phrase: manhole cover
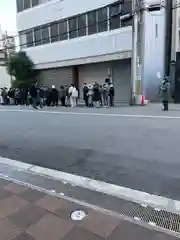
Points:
[[78, 215]]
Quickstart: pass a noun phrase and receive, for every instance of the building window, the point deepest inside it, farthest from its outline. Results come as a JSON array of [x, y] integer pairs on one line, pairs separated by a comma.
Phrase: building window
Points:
[[19, 5], [27, 4], [35, 3], [102, 19], [45, 34], [82, 25], [22, 40], [37, 36], [115, 10], [54, 32], [63, 35], [92, 22], [29, 38], [126, 8], [73, 27]]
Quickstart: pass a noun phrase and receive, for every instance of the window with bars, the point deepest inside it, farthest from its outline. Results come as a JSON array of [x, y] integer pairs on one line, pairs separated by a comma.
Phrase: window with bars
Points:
[[54, 32], [81, 25], [37, 36], [92, 22], [45, 38], [63, 33], [29, 38], [102, 19], [115, 10], [73, 27]]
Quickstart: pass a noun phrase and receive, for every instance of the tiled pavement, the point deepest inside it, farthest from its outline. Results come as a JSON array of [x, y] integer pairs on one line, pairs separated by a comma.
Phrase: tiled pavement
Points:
[[26, 214]]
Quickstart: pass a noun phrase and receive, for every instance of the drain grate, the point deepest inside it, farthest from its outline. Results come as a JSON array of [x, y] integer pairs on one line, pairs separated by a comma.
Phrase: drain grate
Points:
[[150, 215], [155, 217]]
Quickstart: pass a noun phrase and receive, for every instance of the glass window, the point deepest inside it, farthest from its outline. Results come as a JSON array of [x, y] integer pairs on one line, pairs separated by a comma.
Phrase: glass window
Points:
[[19, 5], [127, 7], [54, 32], [29, 38], [102, 19], [82, 25], [45, 34], [27, 4], [92, 22], [22, 40], [63, 30], [73, 27], [115, 16], [35, 3], [37, 36], [126, 23]]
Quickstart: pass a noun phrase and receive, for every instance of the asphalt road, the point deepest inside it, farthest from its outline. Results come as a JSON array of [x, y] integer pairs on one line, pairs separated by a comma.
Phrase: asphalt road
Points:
[[140, 153]]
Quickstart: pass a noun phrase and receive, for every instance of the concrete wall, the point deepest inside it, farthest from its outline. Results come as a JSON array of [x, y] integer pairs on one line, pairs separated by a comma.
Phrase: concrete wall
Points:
[[153, 52], [5, 79], [65, 53]]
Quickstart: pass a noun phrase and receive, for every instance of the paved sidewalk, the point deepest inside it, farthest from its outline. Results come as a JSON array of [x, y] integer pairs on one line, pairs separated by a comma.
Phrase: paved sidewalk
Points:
[[26, 214]]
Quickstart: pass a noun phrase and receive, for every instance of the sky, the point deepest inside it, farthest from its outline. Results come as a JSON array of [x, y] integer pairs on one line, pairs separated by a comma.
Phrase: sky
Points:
[[8, 15]]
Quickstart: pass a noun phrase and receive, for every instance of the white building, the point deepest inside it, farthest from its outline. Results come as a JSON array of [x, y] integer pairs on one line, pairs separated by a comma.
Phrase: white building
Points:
[[76, 41], [5, 78]]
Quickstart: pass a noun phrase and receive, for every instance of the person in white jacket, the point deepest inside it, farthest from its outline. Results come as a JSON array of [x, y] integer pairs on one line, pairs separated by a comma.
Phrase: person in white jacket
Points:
[[73, 93]]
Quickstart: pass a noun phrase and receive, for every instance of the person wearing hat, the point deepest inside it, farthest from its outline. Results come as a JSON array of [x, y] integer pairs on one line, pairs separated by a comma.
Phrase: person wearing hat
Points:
[[165, 92]]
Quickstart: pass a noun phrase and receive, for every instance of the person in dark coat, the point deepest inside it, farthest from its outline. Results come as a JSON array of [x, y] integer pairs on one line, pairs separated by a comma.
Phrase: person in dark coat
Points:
[[165, 93], [96, 94], [33, 93], [62, 95], [54, 96], [111, 94], [85, 95]]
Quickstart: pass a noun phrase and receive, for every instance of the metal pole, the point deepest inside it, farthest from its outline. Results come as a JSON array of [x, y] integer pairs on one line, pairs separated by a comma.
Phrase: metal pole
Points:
[[136, 68], [168, 36]]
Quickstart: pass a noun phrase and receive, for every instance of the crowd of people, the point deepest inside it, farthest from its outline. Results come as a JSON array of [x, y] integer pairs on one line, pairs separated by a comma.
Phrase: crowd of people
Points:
[[93, 95]]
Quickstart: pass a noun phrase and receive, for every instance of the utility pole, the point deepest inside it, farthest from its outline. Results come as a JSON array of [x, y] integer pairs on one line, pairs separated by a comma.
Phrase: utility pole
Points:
[[136, 85], [168, 36]]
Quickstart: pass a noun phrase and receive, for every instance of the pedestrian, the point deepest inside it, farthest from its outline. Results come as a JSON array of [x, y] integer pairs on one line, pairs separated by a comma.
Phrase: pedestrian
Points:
[[34, 94], [101, 95], [96, 94], [111, 94], [54, 96], [105, 94], [165, 92], [62, 95], [85, 94], [73, 93]]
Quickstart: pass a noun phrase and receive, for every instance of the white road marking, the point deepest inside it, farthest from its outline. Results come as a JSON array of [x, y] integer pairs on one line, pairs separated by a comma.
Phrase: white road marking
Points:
[[93, 114], [99, 186]]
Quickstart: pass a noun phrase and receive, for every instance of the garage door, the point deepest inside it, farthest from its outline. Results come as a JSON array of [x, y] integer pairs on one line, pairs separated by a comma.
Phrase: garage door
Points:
[[121, 78], [56, 76], [90, 73]]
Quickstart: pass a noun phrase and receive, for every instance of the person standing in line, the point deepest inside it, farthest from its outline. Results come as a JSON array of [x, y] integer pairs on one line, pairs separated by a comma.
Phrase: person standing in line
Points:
[[165, 92], [85, 94], [96, 95], [111, 94], [33, 93], [54, 96], [62, 94], [67, 97], [73, 93], [101, 95], [105, 94]]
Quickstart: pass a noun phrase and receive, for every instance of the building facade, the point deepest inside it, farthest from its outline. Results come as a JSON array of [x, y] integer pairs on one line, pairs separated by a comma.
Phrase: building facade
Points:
[[85, 41]]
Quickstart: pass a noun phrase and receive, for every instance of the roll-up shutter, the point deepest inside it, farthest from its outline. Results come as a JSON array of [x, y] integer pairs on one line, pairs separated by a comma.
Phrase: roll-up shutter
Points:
[[56, 76], [90, 73], [121, 78]]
